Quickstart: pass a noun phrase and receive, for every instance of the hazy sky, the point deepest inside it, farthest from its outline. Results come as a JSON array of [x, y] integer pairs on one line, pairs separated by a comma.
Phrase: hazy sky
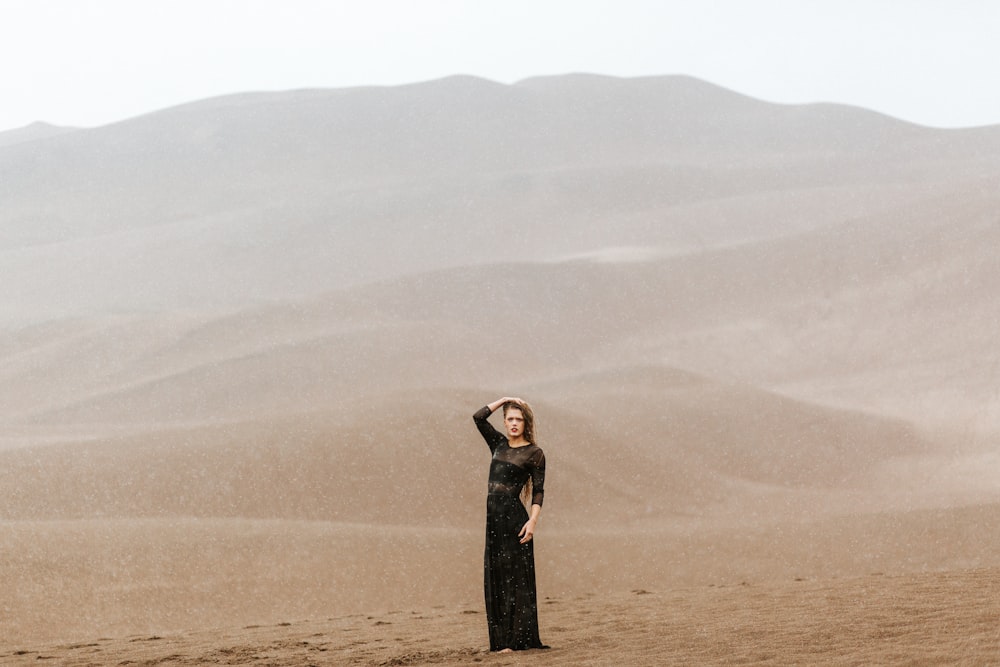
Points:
[[92, 62]]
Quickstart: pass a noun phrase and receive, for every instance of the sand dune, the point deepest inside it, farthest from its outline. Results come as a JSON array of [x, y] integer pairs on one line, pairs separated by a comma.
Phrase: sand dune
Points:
[[248, 198], [850, 318], [241, 341], [32, 132], [676, 446]]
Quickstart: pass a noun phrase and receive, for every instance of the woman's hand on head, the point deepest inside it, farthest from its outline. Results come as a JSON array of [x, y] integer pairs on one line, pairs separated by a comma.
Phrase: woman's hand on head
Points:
[[497, 404]]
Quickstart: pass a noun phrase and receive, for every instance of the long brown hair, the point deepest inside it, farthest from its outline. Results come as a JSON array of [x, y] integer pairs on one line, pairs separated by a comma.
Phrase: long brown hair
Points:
[[529, 434]]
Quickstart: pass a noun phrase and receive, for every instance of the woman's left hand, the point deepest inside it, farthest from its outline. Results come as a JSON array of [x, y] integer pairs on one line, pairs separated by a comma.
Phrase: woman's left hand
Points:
[[527, 532]]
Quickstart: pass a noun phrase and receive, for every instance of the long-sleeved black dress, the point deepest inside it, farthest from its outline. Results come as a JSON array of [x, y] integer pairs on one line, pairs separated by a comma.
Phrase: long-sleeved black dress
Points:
[[509, 566]]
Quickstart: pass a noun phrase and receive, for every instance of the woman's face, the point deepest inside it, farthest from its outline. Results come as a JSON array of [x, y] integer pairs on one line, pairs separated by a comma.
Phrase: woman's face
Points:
[[514, 421]]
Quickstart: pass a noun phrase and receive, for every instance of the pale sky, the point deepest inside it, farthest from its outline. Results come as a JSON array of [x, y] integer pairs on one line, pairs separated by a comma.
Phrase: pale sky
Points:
[[87, 63]]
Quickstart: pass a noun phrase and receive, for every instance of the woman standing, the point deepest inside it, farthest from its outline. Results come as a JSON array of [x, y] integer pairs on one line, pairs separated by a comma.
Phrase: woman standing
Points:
[[517, 470]]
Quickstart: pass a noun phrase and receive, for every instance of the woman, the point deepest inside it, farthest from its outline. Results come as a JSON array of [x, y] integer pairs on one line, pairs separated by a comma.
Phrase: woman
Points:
[[518, 468]]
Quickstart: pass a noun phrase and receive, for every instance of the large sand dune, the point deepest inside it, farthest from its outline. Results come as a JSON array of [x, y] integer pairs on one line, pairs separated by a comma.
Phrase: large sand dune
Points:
[[241, 342]]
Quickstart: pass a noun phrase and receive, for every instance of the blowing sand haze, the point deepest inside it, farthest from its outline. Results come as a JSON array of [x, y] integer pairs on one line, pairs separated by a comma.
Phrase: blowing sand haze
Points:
[[228, 331]]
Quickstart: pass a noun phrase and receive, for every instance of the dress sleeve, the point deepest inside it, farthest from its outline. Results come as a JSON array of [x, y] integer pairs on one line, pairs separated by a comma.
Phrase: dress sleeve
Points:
[[492, 436], [538, 479]]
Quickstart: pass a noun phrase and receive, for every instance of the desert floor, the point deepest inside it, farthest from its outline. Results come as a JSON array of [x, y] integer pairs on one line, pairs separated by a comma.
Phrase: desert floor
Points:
[[944, 618], [242, 340]]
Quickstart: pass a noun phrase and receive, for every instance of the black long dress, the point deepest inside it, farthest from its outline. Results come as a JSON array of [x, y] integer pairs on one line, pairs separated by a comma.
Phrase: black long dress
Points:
[[509, 566]]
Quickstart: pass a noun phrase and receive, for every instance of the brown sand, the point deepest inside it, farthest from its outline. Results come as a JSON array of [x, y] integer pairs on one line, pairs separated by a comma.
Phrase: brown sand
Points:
[[948, 618], [241, 342]]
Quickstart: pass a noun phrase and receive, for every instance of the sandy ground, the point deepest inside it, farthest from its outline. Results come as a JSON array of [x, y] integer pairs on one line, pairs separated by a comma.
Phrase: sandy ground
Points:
[[946, 618], [237, 378], [911, 587]]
